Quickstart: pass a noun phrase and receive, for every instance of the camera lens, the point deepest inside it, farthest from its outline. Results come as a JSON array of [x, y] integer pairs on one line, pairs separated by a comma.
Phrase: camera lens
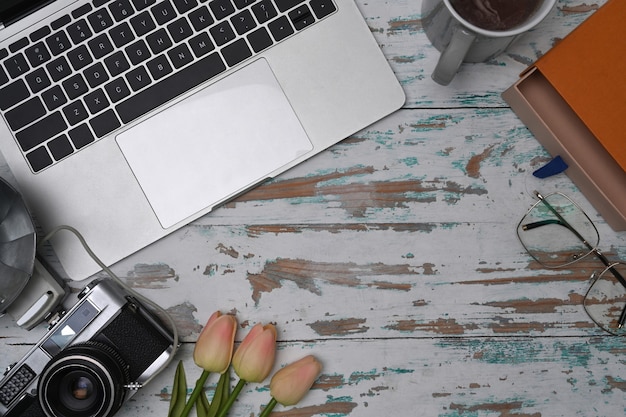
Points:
[[85, 380]]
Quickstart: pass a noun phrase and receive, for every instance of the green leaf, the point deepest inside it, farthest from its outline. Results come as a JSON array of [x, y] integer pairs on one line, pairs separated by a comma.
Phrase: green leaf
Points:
[[226, 390], [179, 392], [221, 394], [202, 405]]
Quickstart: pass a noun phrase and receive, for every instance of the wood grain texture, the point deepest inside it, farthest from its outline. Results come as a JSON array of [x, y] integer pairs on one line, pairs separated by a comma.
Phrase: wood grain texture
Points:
[[393, 258]]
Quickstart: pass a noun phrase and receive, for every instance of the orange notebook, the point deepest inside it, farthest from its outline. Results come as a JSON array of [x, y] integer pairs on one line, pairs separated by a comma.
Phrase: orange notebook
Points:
[[573, 99], [588, 69]]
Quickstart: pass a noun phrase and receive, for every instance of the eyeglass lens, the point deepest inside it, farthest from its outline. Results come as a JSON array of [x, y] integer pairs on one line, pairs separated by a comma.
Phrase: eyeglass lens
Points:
[[606, 299], [556, 232]]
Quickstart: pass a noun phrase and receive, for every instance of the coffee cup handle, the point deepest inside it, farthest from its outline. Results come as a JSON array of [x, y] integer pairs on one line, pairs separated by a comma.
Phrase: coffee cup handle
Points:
[[452, 57]]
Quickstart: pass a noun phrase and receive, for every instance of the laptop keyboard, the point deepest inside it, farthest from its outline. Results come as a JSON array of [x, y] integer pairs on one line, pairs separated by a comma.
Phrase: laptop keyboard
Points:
[[107, 63]]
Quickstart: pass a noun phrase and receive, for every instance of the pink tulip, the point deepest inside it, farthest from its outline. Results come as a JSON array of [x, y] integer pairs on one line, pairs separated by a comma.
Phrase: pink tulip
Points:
[[292, 382], [214, 348], [254, 358]]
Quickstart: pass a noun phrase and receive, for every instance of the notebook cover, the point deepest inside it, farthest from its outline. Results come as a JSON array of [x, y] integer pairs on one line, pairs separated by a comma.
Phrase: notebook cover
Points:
[[587, 68]]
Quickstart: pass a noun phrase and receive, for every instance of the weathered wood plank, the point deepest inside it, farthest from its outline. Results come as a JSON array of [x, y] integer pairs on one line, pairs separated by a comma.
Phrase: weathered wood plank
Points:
[[439, 377]]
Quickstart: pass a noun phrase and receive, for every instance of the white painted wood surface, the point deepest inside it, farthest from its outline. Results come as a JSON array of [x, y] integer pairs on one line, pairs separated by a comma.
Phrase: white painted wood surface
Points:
[[393, 258]]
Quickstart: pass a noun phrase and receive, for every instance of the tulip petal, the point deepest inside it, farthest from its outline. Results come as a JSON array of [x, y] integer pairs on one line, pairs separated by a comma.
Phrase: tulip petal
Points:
[[214, 347], [292, 382], [254, 359]]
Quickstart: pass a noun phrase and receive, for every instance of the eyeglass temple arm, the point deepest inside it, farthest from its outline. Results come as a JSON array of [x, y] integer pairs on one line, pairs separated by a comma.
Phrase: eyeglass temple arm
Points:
[[562, 222]]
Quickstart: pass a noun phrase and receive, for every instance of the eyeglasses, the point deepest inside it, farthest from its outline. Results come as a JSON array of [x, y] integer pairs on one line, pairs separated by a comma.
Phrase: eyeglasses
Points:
[[556, 232]]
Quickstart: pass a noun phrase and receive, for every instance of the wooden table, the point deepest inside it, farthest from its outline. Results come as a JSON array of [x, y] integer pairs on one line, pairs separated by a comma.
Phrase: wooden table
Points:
[[393, 258]]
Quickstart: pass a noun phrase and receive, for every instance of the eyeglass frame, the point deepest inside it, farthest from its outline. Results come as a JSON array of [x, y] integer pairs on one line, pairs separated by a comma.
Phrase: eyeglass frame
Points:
[[609, 266]]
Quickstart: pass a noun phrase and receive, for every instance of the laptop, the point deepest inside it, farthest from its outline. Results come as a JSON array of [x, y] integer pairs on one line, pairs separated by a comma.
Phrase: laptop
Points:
[[127, 119]]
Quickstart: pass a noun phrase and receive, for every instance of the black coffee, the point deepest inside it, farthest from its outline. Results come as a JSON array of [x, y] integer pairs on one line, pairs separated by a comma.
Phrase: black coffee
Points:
[[497, 15]]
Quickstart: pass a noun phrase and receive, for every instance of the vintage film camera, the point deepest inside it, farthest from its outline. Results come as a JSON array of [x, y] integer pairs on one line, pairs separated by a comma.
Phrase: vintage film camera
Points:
[[91, 361], [95, 355]]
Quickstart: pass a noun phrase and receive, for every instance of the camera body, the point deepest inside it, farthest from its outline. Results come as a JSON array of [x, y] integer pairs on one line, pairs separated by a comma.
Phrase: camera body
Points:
[[91, 361]]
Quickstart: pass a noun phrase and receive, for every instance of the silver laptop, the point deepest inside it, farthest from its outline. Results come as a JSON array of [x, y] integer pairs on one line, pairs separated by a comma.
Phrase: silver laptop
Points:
[[128, 119]]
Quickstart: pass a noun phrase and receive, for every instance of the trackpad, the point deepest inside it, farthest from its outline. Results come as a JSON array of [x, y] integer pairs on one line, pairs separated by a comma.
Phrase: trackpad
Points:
[[214, 144]]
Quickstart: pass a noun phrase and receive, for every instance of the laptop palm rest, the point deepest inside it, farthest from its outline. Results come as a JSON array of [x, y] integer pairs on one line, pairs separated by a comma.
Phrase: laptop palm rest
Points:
[[225, 137]]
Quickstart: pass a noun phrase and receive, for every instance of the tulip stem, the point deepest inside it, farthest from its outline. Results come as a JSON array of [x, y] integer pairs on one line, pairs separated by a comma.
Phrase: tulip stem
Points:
[[195, 393], [268, 408], [231, 398]]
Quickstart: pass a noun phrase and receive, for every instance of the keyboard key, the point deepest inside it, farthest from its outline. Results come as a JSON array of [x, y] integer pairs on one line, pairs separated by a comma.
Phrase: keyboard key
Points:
[[121, 9], [170, 87], [79, 31], [4, 78], [322, 8], [96, 75], [37, 54], [264, 11], [75, 86], [236, 52], [39, 159], [19, 44], [143, 23], [179, 30], [280, 28], [138, 78], [40, 33], [301, 17], [142, 4], [59, 69], [58, 43], [38, 80], [222, 8], [96, 101], [39, 132], [159, 41], [105, 123], [81, 11], [159, 67], [222, 33], [13, 94], [122, 34], [75, 112], [163, 12], [183, 6], [260, 39], [81, 136], [201, 18], [243, 3], [79, 57], [201, 44], [117, 89], [180, 56], [100, 20], [60, 147], [243, 22], [284, 5], [117, 63], [60, 22], [25, 113], [16, 65], [100, 46], [54, 98], [138, 52]]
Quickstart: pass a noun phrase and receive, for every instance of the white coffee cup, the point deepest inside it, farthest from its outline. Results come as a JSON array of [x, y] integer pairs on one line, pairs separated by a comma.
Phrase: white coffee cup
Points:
[[460, 41]]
